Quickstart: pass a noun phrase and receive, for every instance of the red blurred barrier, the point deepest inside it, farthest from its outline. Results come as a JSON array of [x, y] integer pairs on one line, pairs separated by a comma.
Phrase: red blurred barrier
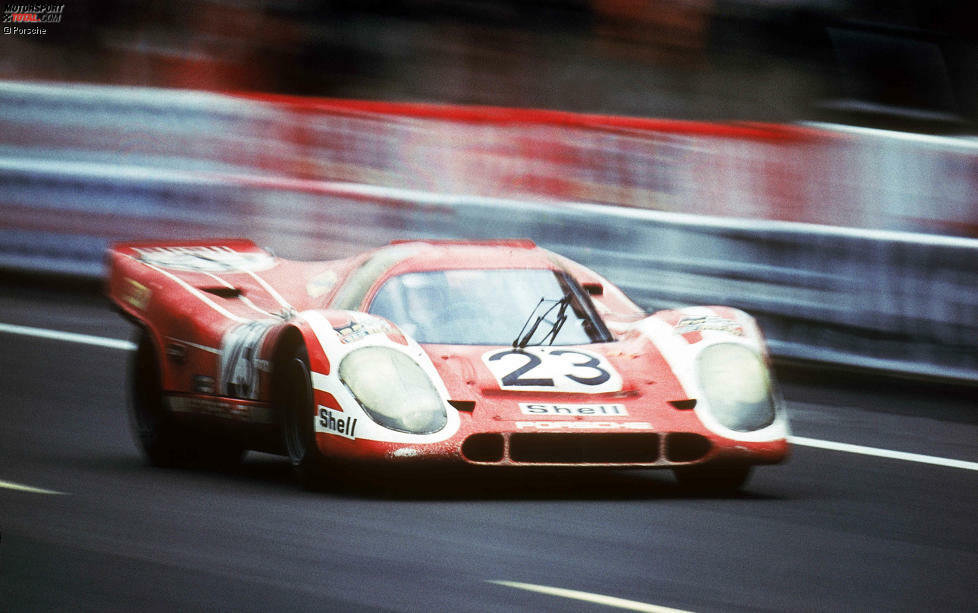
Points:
[[731, 169], [502, 116], [830, 175]]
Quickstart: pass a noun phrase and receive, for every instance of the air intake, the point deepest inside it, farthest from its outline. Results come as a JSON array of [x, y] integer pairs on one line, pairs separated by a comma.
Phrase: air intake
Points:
[[577, 448], [686, 447], [483, 448]]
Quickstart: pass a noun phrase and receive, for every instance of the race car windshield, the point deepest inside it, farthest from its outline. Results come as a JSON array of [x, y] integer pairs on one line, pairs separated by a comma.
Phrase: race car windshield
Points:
[[485, 307]]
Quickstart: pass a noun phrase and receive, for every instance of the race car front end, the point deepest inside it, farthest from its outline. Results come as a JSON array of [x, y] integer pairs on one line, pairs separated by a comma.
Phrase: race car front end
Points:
[[647, 419]]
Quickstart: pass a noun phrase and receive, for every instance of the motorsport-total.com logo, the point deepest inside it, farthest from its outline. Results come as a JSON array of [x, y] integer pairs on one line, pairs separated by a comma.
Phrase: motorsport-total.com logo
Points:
[[30, 19]]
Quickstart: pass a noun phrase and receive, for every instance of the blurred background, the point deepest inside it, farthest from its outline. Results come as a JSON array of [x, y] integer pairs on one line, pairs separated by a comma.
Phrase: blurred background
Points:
[[811, 161], [883, 62]]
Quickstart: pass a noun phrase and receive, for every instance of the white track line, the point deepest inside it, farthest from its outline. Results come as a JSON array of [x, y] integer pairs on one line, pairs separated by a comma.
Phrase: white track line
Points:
[[70, 337], [609, 601], [114, 343], [19, 487], [882, 453]]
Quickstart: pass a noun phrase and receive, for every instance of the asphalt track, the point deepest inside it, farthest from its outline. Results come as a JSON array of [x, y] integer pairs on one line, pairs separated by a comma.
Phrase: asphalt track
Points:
[[86, 526]]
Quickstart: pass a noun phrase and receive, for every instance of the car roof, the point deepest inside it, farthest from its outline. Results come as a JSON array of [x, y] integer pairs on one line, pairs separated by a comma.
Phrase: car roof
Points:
[[423, 255], [442, 255]]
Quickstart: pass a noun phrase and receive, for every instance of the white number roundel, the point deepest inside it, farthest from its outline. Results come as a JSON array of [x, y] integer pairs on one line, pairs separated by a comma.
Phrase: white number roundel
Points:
[[552, 369]]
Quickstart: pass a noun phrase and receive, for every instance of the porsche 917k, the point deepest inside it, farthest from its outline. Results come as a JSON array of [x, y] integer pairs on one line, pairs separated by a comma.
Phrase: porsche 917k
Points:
[[492, 353]]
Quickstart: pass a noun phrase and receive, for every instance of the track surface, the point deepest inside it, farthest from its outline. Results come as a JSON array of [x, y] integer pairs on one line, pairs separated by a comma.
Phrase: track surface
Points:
[[828, 531]]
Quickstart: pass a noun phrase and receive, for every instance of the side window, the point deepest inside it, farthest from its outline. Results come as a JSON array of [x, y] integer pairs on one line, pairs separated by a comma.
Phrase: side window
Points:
[[388, 301], [356, 286], [407, 306]]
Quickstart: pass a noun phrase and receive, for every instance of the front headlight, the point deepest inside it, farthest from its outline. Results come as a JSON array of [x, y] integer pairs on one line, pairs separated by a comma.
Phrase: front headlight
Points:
[[393, 390], [737, 387]]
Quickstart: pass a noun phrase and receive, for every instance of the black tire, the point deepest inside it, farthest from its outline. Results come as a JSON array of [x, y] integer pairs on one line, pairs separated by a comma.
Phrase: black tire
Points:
[[163, 441], [298, 415], [713, 480]]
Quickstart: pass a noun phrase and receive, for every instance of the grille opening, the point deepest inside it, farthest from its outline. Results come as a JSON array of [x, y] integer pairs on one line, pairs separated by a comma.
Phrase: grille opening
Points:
[[483, 447], [579, 448], [686, 447]]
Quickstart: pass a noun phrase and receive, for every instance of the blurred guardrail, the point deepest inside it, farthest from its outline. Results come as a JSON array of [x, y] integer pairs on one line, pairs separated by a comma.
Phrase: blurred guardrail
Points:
[[871, 298]]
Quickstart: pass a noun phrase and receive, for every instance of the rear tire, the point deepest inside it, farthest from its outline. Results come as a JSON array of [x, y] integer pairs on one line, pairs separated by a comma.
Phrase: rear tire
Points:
[[298, 416], [163, 441], [713, 480]]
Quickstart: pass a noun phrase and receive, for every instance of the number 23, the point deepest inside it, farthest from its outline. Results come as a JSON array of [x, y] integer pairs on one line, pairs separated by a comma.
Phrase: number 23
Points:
[[519, 378]]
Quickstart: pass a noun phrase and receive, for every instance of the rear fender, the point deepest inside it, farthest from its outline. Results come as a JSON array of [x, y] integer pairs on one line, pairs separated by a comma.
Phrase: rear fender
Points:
[[142, 274], [158, 286]]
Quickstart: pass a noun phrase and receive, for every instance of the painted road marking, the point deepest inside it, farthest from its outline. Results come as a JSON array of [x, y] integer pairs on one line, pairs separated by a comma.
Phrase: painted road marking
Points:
[[20, 487], [882, 453], [114, 343], [610, 601], [71, 337]]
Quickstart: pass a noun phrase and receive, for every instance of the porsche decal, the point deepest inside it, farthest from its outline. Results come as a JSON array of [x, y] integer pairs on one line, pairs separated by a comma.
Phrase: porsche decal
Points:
[[584, 425], [552, 369]]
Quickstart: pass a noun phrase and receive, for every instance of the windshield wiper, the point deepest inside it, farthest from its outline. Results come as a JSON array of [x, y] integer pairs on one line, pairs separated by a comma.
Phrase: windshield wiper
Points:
[[522, 340]]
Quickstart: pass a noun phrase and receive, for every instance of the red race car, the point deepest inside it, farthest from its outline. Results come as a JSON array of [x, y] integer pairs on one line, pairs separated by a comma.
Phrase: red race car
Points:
[[491, 353]]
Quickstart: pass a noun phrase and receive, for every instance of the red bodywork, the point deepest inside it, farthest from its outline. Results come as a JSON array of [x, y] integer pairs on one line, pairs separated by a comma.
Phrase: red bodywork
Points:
[[221, 313]]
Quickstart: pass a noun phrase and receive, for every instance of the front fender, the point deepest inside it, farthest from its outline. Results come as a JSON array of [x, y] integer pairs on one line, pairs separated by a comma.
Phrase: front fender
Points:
[[681, 337], [330, 336]]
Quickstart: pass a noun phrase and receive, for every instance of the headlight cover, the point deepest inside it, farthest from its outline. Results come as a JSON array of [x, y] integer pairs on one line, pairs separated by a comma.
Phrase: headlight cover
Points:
[[737, 387], [393, 390]]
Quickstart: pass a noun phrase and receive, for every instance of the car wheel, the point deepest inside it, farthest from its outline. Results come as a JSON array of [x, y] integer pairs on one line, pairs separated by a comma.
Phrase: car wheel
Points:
[[712, 480], [298, 414], [163, 441]]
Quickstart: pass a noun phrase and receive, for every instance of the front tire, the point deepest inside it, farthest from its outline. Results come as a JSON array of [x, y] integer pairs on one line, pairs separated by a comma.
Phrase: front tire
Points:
[[298, 415]]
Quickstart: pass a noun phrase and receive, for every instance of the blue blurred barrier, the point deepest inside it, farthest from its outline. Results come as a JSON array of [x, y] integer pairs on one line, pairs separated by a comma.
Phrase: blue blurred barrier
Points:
[[883, 300]]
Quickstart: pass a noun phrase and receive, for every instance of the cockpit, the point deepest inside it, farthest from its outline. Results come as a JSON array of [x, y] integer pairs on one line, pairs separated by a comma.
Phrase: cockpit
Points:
[[517, 307]]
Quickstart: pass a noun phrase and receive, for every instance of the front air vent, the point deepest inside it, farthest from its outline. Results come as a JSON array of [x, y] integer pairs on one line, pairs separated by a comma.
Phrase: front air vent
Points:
[[579, 448], [686, 447], [483, 448]]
